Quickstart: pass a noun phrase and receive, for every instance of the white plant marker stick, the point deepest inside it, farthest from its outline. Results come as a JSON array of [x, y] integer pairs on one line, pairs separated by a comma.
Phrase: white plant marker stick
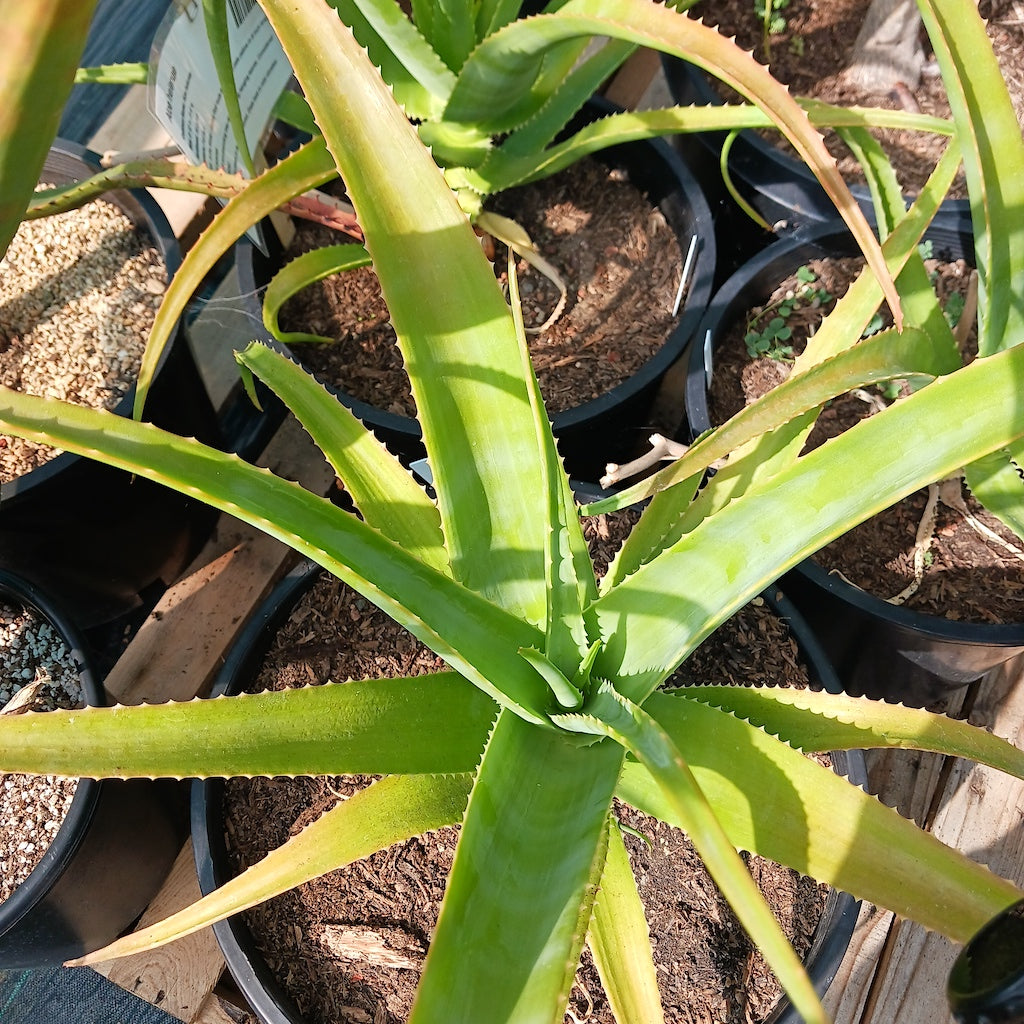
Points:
[[684, 279]]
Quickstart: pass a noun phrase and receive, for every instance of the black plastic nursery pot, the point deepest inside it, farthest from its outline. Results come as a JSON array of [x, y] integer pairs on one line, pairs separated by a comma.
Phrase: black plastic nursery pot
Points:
[[986, 985], [879, 649], [110, 854], [98, 536], [605, 428], [777, 184], [259, 986]]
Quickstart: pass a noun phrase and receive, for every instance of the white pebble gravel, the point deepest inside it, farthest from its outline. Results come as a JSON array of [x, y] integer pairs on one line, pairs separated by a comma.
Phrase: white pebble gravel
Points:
[[78, 295], [32, 808]]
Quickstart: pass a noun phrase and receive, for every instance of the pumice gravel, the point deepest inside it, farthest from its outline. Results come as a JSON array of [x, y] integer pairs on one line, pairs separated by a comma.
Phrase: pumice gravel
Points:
[[32, 808], [79, 293]]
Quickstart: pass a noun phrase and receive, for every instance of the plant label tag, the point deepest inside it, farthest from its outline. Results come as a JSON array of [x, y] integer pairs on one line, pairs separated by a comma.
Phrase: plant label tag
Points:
[[184, 91]]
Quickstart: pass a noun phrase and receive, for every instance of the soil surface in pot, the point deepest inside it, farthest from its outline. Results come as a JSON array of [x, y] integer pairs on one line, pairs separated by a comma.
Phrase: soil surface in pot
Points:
[[32, 808], [811, 53], [349, 947], [615, 251], [78, 295], [973, 567]]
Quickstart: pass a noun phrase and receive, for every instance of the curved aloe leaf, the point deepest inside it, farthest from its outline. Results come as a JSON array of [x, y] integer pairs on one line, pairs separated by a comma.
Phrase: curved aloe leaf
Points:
[[884, 356], [676, 599], [422, 82], [816, 721], [993, 151], [382, 489], [620, 941], [506, 165], [510, 922], [462, 357], [774, 801], [376, 727], [167, 174], [569, 582], [307, 168], [43, 43], [301, 272], [387, 812], [429, 604], [610, 714], [509, 58], [215, 17]]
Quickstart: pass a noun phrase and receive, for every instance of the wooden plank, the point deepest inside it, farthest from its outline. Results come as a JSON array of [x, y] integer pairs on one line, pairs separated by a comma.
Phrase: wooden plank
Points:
[[897, 970], [212, 1012], [851, 988], [633, 79], [180, 976], [978, 811]]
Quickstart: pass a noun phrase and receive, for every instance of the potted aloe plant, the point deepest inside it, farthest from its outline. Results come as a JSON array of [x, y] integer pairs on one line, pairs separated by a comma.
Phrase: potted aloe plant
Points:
[[554, 680], [455, 70]]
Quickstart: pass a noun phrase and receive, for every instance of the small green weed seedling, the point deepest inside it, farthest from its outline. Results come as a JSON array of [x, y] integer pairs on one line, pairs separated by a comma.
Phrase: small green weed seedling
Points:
[[769, 340], [772, 21], [954, 308]]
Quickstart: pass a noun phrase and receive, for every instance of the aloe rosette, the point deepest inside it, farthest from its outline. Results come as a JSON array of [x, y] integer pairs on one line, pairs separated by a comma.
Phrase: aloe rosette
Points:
[[552, 706]]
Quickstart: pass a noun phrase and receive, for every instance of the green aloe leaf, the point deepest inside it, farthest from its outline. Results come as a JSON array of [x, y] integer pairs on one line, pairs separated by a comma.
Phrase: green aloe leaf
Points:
[[510, 921], [884, 356], [815, 721], [430, 605], [774, 801], [127, 73], [514, 162], [422, 82], [993, 150], [462, 357], [301, 272], [377, 727], [215, 17], [307, 168], [569, 582], [609, 714], [43, 43], [169, 174], [387, 496], [387, 812], [730, 557], [620, 941]]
